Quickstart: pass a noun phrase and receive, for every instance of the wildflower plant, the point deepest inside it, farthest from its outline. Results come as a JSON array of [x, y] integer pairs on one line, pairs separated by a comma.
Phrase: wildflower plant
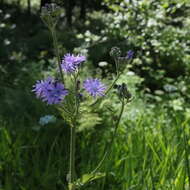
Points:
[[69, 91]]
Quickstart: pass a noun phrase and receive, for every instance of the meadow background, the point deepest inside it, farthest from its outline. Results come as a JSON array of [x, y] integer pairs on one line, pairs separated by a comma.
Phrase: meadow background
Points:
[[151, 150]]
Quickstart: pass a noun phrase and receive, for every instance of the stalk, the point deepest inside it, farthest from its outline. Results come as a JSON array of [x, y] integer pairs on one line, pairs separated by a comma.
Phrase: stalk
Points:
[[55, 44], [72, 159], [73, 140], [112, 140]]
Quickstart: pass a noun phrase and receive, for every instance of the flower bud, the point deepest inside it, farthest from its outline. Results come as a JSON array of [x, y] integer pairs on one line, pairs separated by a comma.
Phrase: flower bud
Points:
[[115, 52], [49, 14], [130, 54], [123, 91], [50, 9]]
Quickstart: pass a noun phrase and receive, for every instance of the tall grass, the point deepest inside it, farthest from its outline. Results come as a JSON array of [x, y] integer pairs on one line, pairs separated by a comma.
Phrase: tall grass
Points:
[[151, 152]]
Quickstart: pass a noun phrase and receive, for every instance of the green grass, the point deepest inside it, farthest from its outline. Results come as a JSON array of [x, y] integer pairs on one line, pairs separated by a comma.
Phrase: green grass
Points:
[[151, 152]]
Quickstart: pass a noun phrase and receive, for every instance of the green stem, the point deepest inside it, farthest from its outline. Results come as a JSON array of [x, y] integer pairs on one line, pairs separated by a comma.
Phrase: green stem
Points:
[[112, 140], [113, 83], [55, 44], [117, 66], [73, 141], [72, 156]]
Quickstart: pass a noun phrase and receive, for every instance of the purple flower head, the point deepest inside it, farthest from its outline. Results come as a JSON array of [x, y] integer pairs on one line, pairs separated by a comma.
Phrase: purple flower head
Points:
[[70, 62], [94, 87], [50, 91], [130, 54], [41, 86]]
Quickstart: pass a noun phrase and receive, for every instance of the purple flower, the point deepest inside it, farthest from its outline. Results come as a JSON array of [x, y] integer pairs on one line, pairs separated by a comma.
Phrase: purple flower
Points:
[[50, 91], [130, 54], [70, 62], [41, 86], [94, 87]]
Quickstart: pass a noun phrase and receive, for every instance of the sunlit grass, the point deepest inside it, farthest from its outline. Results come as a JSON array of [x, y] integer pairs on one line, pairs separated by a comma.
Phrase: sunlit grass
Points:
[[149, 153]]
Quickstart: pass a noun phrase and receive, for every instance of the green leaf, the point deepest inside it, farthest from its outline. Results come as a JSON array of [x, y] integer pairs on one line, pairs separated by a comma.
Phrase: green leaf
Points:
[[86, 178]]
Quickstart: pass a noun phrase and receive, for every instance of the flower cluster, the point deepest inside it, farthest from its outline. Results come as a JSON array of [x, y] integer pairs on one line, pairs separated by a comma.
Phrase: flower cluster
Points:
[[50, 14], [49, 9], [50, 91], [53, 91]]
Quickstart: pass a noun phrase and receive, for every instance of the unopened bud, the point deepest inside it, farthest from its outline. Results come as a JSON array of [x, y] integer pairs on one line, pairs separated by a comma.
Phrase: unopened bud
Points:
[[49, 14], [115, 52], [130, 54], [50, 9], [123, 91]]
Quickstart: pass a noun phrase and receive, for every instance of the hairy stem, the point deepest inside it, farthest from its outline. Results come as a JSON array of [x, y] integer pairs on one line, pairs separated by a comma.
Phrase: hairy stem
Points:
[[72, 157], [55, 44], [73, 140]]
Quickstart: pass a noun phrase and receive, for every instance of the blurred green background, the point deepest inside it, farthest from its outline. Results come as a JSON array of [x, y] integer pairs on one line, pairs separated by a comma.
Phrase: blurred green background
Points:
[[151, 150]]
